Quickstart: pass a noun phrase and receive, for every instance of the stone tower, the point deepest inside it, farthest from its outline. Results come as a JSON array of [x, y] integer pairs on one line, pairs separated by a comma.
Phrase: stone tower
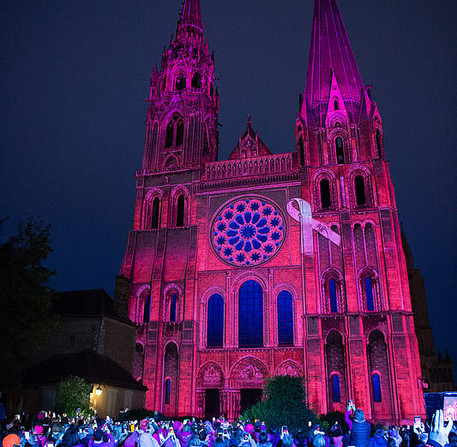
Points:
[[222, 294]]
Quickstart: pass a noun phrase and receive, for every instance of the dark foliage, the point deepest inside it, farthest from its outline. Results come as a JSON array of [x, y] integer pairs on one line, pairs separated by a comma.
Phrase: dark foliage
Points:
[[25, 298], [74, 393], [284, 403]]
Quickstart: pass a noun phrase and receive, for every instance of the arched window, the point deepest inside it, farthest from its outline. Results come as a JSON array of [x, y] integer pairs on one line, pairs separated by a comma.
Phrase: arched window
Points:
[[336, 390], [179, 133], [181, 82], [376, 379], [360, 196], [250, 321], [336, 105], [378, 143], [326, 201], [196, 80], [285, 319], [180, 211], [169, 136], [173, 307], [333, 296], [167, 391], [339, 146], [369, 294], [147, 309], [155, 213], [215, 325], [301, 149]]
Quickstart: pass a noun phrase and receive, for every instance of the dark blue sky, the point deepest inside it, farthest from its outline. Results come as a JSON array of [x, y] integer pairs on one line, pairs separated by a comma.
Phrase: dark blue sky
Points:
[[73, 75]]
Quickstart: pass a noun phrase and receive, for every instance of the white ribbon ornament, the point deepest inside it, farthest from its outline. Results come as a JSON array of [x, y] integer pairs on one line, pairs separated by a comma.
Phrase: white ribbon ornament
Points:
[[304, 215]]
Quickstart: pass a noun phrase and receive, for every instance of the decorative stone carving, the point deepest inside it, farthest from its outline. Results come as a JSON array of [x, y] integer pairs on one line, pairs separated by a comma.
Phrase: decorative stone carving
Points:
[[251, 373], [287, 370], [212, 376]]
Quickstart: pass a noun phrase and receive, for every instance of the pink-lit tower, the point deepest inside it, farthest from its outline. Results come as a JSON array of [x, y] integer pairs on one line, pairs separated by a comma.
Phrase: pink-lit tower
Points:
[[182, 118], [358, 300], [181, 134]]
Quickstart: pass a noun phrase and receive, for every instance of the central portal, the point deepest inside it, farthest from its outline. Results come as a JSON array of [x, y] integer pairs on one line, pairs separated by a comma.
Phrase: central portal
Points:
[[249, 397], [212, 404]]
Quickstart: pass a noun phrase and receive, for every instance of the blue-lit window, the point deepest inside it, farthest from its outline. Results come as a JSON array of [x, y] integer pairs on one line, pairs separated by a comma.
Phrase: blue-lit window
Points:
[[215, 333], [336, 391], [377, 388], [369, 294], [173, 307], [250, 322], [167, 391], [147, 308], [333, 296], [285, 319]]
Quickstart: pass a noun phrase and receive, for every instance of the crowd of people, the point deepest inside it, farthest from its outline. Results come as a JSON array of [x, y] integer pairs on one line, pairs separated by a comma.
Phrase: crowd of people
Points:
[[46, 429]]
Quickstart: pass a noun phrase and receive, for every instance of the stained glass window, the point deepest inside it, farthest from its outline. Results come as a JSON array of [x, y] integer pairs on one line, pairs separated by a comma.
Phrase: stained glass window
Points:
[[250, 322], [377, 387], [333, 296], [215, 332], [167, 391], [336, 388], [285, 319], [369, 294], [173, 306], [248, 231]]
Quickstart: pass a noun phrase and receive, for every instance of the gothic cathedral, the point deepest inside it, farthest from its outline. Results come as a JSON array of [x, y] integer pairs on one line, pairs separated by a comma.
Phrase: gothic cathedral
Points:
[[228, 276]]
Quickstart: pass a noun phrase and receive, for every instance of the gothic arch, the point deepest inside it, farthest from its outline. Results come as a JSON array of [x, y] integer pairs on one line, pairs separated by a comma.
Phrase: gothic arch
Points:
[[174, 205], [140, 300], [210, 375], [365, 174], [249, 372], [169, 291], [289, 368], [148, 217], [333, 304], [364, 300], [204, 311]]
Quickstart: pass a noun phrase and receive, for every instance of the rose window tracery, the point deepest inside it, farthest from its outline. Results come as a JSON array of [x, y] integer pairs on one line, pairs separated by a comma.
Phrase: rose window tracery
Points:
[[248, 231]]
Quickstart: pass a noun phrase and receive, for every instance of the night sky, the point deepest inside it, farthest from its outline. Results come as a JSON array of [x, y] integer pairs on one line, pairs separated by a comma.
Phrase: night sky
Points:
[[73, 76]]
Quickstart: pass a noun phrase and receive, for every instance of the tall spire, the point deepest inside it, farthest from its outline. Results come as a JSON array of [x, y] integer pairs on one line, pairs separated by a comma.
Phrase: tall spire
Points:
[[191, 18], [330, 53]]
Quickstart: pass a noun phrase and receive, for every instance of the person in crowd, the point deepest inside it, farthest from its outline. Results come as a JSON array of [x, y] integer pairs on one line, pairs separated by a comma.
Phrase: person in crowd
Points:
[[360, 428]]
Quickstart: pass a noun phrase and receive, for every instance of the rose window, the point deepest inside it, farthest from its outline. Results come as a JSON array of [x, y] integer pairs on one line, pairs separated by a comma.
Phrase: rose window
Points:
[[248, 231]]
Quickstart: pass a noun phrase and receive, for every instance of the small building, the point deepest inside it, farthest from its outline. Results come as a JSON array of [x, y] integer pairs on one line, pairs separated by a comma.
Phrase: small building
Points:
[[91, 341]]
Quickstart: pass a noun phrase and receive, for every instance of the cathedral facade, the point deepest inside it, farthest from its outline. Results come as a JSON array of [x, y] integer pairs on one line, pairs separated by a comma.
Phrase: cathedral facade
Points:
[[268, 264]]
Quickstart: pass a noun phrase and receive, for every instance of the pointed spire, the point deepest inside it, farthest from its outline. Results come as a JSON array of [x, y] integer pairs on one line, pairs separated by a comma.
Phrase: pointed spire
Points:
[[330, 52], [191, 18]]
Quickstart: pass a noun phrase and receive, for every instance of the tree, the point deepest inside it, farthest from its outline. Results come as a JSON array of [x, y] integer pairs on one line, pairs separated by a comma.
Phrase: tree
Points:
[[284, 403], [25, 297], [74, 393]]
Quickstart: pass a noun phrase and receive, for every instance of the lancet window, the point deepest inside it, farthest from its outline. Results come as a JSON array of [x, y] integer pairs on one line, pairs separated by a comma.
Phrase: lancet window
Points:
[[175, 132], [215, 322], [250, 311], [285, 319]]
